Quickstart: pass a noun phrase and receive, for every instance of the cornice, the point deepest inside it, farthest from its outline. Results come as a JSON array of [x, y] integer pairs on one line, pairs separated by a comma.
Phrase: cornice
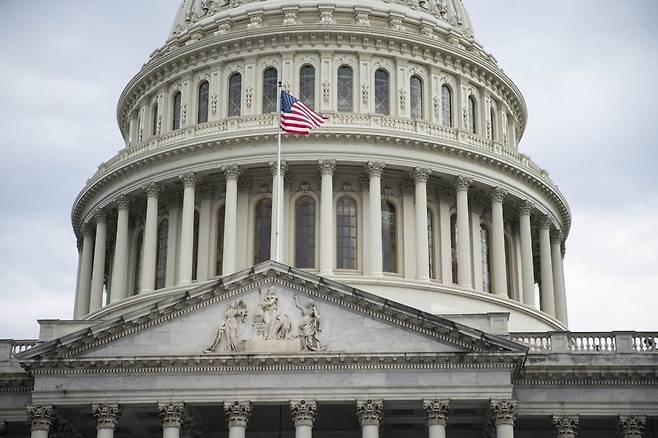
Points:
[[588, 375]]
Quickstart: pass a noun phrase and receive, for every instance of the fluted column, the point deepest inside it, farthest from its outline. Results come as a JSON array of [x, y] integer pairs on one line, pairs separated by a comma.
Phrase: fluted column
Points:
[[303, 413], [237, 415], [231, 173], [276, 251], [503, 414], [422, 238], [120, 266], [83, 291], [327, 168], [205, 193], [547, 292], [150, 238], [527, 269], [98, 274], [464, 268], [498, 259], [187, 229], [172, 414], [106, 415], [565, 426], [632, 426], [558, 278], [436, 416], [375, 171], [370, 414], [40, 418], [445, 238]]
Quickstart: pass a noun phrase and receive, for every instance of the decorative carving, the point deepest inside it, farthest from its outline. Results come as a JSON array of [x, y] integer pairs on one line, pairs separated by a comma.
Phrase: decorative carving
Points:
[[403, 98], [427, 32], [370, 412], [122, 202], [213, 104], [375, 169], [327, 16], [365, 91], [255, 23], [463, 183], [3, 428], [498, 195], [326, 91], [274, 325], [100, 217], [303, 412], [503, 411], [189, 179], [420, 174], [184, 114], [232, 172], [223, 29], [327, 167], [347, 188], [526, 207], [227, 338], [284, 168], [40, 416], [566, 426], [304, 187], [244, 185], [286, 86], [364, 181], [248, 96], [632, 425], [436, 411], [206, 191], [237, 413], [106, 415], [557, 237], [362, 19], [152, 190], [396, 24], [309, 327], [172, 413], [545, 222], [290, 18]]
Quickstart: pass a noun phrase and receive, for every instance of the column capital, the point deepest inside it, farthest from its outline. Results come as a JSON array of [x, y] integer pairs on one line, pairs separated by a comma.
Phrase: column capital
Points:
[[189, 179], [545, 222], [408, 187], [172, 413], [632, 425], [122, 202], [463, 183], [503, 411], [420, 174], [232, 172], [284, 167], [303, 412], [498, 194], [436, 411], [557, 237], [87, 230], [173, 200], [152, 190], [375, 169], [526, 207], [364, 181], [370, 412], [565, 425], [205, 191], [40, 416], [237, 413], [100, 216], [106, 414], [244, 184], [327, 167], [444, 194]]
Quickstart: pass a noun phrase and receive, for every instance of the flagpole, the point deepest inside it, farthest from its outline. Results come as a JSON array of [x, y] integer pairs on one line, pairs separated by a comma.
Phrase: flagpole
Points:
[[279, 183]]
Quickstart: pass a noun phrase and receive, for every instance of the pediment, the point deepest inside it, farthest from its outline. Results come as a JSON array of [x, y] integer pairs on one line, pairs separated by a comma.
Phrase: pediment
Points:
[[271, 310]]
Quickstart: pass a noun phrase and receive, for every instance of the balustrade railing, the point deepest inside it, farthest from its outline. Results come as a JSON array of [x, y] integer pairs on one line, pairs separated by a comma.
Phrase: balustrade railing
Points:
[[588, 342], [537, 342], [19, 346]]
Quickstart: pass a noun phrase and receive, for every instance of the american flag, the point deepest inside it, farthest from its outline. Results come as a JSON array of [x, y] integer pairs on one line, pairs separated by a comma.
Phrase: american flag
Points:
[[296, 117]]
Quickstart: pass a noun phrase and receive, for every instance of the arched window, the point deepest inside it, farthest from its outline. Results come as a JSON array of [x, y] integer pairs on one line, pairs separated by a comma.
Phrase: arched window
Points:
[[389, 237], [381, 92], [219, 251], [307, 85], [486, 266], [176, 111], [472, 114], [161, 264], [234, 94], [139, 255], [492, 117], [270, 79], [346, 233], [305, 232], [430, 241], [446, 106], [263, 231], [195, 246], [344, 89], [416, 97], [202, 101], [154, 120], [453, 248]]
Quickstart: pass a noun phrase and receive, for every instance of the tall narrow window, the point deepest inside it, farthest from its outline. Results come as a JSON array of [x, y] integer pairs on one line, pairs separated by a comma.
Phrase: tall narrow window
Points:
[[195, 246], [154, 118], [202, 101], [486, 266], [161, 266], [263, 231], [234, 94], [344, 89], [219, 251], [492, 117], [139, 255], [446, 106], [176, 111], [307, 85], [416, 97], [270, 78], [381, 92], [346, 233], [509, 265], [430, 241], [305, 233], [453, 247], [389, 237], [472, 114]]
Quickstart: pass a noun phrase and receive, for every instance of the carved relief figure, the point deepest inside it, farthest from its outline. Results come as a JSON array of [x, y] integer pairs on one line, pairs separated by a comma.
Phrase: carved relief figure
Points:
[[227, 338], [276, 326], [309, 327]]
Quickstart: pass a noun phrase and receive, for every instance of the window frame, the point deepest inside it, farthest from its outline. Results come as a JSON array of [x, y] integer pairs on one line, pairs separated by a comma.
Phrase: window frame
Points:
[[234, 103], [339, 88]]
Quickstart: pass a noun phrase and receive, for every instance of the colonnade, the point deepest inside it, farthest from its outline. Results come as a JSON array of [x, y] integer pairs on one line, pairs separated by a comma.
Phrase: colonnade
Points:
[[468, 243], [370, 414]]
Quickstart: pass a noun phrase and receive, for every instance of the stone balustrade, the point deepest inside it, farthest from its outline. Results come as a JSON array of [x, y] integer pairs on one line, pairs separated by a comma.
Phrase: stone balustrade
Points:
[[588, 342]]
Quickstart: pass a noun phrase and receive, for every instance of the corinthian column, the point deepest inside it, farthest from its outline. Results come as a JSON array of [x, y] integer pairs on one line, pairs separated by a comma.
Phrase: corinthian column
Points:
[[150, 238], [187, 229], [83, 290], [107, 415], [547, 292], [375, 171], [558, 278], [370, 414], [303, 415], [40, 418], [565, 426], [120, 267], [172, 414], [237, 415], [422, 238], [231, 173], [98, 274], [498, 258], [436, 416], [327, 168], [445, 238], [204, 193], [464, 268], [632, 426], [503, 414], [527, 270], [277, 234]]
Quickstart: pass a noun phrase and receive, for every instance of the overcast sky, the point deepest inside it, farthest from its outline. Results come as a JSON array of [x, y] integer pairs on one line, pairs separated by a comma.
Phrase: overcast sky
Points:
[[587, 69]]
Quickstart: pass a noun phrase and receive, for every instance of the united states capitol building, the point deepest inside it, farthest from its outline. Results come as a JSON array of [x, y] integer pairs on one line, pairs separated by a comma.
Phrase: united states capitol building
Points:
[[419, 289]]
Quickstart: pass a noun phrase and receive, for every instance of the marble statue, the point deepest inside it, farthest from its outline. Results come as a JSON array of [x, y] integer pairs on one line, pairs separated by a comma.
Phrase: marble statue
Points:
[[227, 338], [276, 326], [309, 327]]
